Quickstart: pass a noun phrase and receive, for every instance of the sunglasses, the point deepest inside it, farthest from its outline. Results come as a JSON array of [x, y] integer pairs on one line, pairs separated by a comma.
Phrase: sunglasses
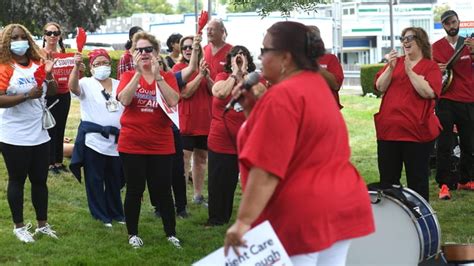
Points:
[[408, 38], [186, 47], [51, 33], [147, 49], [264, 50]]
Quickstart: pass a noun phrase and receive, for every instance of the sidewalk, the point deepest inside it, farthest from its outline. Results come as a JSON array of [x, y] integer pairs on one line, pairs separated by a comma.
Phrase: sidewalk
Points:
[[351, 90]]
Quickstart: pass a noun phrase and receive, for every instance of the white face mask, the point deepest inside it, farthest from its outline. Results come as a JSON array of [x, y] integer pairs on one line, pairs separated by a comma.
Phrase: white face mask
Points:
[[101, 72], [19, 47]]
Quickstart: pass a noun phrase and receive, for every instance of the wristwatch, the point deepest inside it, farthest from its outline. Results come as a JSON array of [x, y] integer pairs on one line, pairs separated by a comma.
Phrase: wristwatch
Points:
[[26, 95]]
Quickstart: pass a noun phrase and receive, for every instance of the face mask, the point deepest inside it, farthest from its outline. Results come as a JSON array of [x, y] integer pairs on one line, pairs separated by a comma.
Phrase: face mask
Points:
[[19, 47], [101, 72]]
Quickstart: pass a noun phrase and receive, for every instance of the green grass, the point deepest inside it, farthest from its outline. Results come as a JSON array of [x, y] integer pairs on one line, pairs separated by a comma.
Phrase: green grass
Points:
[[85, 241]]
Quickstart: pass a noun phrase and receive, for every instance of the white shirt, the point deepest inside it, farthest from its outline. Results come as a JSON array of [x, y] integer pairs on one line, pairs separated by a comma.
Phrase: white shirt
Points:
[[93, 109], [22, 124]]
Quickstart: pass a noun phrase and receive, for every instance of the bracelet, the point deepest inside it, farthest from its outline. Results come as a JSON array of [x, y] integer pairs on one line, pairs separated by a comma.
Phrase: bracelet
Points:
[[50, 80], [26, 96]]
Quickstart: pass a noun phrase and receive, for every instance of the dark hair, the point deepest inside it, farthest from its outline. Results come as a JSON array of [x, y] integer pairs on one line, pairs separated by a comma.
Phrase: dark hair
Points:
[[306, 46], [132, 32], [421, 39], [60, 41], [174, 38], [233, 52]]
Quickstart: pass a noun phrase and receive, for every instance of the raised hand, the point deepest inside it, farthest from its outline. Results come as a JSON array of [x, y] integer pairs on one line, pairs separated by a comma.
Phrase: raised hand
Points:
[[78, 59], [137, 61], [245, 65], [48, 62]]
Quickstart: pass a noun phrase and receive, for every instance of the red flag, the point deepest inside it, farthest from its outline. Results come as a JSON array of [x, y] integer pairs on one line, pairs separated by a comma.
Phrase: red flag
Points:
[[80, 38], [40, 75], [202, 21]]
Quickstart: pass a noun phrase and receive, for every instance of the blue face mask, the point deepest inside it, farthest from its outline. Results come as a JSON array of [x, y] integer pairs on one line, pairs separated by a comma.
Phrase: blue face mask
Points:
[[19, 47]]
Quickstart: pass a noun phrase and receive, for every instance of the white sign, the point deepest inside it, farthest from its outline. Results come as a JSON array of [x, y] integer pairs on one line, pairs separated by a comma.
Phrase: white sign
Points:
[[263, 248], [171, 112]]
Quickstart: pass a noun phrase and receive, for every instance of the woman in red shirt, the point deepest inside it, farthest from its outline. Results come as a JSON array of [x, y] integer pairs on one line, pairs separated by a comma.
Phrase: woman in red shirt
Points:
[[406, 124], [195, 111], [223, 170], [146, 143], [294, 157]]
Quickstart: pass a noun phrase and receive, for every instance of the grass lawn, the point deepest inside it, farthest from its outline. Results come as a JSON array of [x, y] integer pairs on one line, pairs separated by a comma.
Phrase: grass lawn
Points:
[[83, 240]]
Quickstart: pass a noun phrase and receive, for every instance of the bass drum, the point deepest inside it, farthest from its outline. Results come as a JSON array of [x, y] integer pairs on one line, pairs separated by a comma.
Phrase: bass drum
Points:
[[403, 235]]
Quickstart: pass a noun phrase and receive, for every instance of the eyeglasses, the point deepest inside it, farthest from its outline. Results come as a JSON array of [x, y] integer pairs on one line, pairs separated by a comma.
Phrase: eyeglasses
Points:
[[408, 38], [147, 49], [51, 33], [187, 47], [103, 63], [264, 50]]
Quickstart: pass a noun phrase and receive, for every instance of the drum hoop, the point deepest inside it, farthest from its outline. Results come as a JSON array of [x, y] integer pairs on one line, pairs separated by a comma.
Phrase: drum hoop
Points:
[[435, 218], [415, 222]]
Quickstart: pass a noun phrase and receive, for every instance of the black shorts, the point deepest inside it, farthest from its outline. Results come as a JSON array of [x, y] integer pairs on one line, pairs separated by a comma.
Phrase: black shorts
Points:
[[194, 142]]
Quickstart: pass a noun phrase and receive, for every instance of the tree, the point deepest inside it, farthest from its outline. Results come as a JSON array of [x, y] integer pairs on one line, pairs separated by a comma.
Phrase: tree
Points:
[[265, 7], [187, 6], [439, 10], [126, 8], [33, 14]]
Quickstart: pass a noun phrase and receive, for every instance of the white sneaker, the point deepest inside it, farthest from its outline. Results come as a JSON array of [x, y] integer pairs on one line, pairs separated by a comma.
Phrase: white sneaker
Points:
[[23, 234], [135, 241], [46, 230], [175, 241], [108, 225]]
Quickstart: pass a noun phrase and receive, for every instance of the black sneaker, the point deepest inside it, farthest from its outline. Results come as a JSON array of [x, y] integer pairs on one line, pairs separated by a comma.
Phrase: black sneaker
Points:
[[183, 214], [53, 169]]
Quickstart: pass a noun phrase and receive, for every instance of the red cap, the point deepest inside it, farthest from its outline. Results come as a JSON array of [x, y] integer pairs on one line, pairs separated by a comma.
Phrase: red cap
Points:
[[97, 52]]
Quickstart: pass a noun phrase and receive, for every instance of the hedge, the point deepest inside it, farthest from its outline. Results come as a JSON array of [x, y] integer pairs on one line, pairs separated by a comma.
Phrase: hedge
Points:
[[367, 77]]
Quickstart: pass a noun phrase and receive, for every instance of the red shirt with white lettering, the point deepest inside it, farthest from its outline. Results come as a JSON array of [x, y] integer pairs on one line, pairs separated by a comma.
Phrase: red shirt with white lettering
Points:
[[404, 115], [331, 63], [195, 111], [146, 129], [297, 133], [224, 127], [461, 89], [216, 62]]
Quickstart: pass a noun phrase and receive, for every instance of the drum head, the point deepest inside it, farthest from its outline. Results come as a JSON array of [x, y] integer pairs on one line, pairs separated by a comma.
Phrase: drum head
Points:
[[395, 241]]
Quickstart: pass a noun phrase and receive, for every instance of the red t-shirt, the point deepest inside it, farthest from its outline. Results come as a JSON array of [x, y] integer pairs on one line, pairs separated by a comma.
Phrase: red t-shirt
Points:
[[195, 112], [404, 115], [297, 133], [146, 129], [216, 62], [460, 89], [62, 69], [223, 133], [332, 65]]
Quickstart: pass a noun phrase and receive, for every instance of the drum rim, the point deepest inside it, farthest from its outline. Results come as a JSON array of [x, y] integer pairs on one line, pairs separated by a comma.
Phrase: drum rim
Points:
[[415, 222]]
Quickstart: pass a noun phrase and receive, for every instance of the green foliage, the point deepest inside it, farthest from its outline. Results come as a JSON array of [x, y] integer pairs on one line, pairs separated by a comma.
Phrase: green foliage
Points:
[[126, 8], [367, 78], [33, 14], [264, 7]]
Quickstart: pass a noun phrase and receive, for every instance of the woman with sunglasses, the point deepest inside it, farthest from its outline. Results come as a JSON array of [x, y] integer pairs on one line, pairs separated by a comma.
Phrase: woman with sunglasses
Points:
[[100, 112], [294, 157], [223, 169], [195, 111], [146, 143], [406, 124], [25, 143], [53, 44]]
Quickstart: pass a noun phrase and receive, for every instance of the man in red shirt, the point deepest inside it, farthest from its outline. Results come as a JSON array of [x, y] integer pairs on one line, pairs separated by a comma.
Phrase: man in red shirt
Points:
[[455, 107]]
